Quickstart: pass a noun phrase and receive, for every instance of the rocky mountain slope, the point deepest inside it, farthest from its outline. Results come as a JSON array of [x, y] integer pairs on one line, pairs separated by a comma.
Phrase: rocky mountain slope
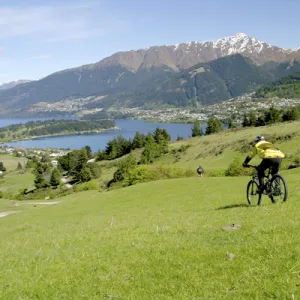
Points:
[[186, 55], [136, 71], [207, 83]]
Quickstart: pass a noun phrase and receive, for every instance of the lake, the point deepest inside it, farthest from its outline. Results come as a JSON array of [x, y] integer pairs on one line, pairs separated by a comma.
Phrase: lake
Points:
[[127, 129]]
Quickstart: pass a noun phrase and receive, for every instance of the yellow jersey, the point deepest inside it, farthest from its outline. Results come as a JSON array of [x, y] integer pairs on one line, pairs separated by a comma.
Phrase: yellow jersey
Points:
[[265, 149]]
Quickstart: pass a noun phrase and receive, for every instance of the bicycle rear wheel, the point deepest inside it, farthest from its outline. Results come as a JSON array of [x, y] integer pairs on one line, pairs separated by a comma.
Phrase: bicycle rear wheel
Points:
[[279, 189], [253, 196]]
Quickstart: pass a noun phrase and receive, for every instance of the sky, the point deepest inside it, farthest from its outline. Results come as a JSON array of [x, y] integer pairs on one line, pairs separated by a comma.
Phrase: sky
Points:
[[39, 37]]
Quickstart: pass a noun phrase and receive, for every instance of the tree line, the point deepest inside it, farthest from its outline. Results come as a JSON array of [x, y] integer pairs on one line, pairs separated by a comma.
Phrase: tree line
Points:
[[214, 125], [156, 143], [269, 116]]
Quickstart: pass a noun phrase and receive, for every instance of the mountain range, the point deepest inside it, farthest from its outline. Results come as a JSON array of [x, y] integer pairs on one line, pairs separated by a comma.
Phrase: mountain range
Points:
[[9, 85], [180, 75]]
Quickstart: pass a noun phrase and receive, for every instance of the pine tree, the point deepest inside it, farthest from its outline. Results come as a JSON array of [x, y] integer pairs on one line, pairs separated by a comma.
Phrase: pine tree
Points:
[[40, 181], [260, 121], [231, 123], [124, 167], [214, 125], [196, 130], [89, 151], [138, 141], [150, 152], [85, 174], [252, 119], [246, 122], [55, 177], [272, 116], [2, 168]]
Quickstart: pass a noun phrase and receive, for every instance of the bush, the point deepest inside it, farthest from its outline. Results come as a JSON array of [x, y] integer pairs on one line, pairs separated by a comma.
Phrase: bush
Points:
[[244, 146], [236, 168], [95, 170], [150, 173], [87, 186], [1, 195], [295, 161], [216, 174]]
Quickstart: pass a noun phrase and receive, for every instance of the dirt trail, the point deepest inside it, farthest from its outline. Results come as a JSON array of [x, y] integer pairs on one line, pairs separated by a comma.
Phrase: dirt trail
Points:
[[6, 213]]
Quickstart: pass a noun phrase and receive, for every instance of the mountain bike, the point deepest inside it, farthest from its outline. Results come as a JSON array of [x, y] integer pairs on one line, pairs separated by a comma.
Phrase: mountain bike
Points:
[[274, 186]]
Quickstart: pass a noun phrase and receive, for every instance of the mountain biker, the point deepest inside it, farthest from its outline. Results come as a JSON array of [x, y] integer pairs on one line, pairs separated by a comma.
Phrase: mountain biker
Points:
[[270, 155], [200, 171]]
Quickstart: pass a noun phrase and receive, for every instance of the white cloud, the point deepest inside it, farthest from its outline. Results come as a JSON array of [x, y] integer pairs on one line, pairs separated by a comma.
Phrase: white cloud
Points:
[[57, 23], [42, 56]]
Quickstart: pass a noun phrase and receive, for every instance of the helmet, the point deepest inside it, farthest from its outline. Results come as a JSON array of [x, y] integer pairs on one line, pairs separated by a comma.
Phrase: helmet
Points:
[[259, 138]]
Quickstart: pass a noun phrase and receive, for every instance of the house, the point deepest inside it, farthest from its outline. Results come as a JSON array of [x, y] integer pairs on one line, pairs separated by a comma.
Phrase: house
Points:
[[54, 163]]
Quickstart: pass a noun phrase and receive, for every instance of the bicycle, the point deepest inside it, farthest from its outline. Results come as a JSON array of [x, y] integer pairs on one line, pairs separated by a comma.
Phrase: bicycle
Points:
[[274, 186]]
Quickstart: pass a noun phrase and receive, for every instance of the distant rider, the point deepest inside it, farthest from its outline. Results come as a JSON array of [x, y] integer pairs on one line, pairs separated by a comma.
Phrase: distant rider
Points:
[[200, 171], [270, 155]]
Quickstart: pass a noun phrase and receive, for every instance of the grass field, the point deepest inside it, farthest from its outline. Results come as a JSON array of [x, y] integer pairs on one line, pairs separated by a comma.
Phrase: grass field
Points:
[[215, 152], [11, 162], [158, 240]]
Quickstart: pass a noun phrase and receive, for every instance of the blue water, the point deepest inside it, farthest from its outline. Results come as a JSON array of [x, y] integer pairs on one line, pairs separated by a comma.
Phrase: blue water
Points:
[[128, 129]]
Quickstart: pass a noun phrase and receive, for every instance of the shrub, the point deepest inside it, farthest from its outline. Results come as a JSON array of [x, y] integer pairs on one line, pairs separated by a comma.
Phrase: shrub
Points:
[[236, 168], [87, 186], [216, 174], [1, 194], [95, 170], [150, 173], [295, 161], [244, 146]]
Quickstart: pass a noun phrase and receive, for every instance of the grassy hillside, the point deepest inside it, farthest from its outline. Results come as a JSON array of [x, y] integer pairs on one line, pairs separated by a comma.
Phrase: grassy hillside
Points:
[[215, 152], [11, 162], [286, 87], [159, 240]]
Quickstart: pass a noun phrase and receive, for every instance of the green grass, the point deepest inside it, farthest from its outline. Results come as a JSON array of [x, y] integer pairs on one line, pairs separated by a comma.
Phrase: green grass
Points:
[[11, 162], [158, 240], [215, 152], [13, 182]]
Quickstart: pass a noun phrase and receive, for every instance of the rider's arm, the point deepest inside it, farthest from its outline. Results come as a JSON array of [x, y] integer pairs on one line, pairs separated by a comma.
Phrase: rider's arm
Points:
[[250, 156]]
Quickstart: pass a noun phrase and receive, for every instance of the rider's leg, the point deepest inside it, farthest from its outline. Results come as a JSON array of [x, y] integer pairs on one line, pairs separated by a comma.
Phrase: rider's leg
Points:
[[276, 162], [265, 164]]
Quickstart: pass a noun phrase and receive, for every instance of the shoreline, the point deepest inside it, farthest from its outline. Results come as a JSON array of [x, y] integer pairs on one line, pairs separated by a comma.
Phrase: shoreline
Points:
[[58, 134]]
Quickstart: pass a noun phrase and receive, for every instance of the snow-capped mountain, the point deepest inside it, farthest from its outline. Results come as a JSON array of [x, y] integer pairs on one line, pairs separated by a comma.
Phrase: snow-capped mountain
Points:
[[12, 84], [186, 55], [134, 75]]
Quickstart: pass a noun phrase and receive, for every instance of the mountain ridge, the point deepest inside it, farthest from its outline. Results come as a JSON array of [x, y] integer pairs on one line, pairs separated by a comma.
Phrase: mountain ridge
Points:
[[134, 71], [9, 85]]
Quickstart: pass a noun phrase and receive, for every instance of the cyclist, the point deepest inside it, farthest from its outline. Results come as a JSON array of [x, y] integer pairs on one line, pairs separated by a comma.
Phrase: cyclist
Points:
[[200, 171], [270, 155]]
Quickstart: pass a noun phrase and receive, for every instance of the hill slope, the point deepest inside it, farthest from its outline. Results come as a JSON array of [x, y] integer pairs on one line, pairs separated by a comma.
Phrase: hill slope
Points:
[[205, 83], [286, 87], [136, 244]]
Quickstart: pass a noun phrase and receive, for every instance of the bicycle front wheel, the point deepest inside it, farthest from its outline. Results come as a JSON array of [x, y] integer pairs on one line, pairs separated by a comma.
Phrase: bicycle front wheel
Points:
[[279, 189], [253, 196]]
